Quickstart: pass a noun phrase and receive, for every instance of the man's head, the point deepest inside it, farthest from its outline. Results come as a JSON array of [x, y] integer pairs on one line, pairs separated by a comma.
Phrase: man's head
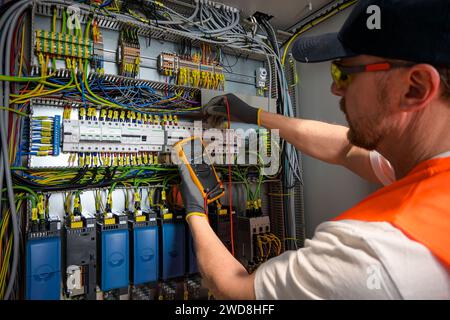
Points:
[[385, 104], [391, 51]]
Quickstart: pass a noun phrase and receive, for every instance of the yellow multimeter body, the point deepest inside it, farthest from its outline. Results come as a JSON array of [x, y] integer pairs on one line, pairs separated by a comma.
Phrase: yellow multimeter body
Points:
[[204, 175]]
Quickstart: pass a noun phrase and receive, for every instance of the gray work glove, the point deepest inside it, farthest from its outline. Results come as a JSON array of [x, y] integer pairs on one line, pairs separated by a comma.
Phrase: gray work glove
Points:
[[239, 110], [192, 198]]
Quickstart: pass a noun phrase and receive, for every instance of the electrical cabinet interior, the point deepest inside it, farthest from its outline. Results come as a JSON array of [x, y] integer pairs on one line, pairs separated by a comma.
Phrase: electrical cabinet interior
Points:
[[98, 94]]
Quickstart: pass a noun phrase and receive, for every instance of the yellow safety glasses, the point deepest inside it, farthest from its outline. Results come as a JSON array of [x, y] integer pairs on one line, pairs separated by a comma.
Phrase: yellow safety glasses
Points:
[[342, 75]]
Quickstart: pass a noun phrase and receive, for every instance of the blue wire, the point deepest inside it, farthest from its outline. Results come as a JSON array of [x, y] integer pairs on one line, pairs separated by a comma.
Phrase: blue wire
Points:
[[106, 3], [82, 92], [105, 87], [22, 143], [32, 177], [57, 81]]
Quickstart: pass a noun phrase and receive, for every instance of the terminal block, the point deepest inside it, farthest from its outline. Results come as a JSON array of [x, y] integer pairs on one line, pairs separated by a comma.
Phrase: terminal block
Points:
[[97, 60], [45, 136], [129, 52], [189, 72], [61, 45]]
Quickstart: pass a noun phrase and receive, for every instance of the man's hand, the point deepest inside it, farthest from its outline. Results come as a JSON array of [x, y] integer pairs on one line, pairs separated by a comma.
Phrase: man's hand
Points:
[[239, 110], [221, 272], [192, 198]]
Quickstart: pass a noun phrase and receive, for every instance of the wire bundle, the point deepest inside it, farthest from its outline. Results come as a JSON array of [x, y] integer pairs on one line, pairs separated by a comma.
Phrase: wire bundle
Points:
[[208, 18], [9, 23], [142, 97], [269, 245]]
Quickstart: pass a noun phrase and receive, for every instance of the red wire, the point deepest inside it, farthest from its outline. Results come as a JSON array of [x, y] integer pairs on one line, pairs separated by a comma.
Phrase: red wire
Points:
[[230, 197]]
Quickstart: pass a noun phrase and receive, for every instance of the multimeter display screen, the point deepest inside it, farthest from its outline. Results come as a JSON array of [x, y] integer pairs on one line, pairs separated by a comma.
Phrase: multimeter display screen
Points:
[[195, 154]]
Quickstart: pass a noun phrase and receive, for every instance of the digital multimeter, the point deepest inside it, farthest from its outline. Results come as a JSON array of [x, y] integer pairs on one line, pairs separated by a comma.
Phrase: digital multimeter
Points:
[[191, 152]]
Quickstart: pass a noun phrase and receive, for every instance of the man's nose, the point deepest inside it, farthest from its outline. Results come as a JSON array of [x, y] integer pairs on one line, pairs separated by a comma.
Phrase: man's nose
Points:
[[336, 90]]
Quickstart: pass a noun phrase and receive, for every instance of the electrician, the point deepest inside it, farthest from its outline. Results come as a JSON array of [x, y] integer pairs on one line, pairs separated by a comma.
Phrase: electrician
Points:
[[395, 89]]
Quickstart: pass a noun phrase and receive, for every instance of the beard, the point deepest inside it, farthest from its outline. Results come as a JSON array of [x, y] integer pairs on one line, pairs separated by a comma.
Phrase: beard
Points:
[[366, 132]]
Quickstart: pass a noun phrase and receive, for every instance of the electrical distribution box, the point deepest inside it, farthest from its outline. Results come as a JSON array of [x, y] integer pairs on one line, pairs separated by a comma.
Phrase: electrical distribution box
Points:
[[95, 147]]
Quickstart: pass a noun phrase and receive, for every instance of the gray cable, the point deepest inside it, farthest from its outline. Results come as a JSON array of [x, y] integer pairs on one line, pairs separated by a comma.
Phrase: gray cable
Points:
[[18, 10], [178, 22]]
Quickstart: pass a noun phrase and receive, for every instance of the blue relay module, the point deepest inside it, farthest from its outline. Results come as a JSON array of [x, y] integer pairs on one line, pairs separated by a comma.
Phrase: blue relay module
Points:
[[43, 267], [144, 250], [172, 244]]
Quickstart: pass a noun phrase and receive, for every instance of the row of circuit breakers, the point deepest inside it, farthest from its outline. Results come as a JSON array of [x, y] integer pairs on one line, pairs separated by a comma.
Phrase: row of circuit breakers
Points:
[[119, 142], [104, 136], [78, 263]]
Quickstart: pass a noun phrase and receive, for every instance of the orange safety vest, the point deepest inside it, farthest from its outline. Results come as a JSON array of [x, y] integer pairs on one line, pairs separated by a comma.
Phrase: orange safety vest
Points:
[[418, 205]]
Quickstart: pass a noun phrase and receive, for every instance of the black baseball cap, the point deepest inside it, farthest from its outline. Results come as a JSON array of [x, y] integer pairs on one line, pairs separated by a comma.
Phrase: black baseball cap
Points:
[[411, 30]]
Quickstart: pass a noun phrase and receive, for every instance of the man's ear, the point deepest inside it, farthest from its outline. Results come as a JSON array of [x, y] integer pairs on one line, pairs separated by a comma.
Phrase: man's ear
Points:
[[421, 86]]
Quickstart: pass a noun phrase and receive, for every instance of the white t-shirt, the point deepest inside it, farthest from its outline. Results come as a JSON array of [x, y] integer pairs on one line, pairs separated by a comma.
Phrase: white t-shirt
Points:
[[383, 169], [356, 260]]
